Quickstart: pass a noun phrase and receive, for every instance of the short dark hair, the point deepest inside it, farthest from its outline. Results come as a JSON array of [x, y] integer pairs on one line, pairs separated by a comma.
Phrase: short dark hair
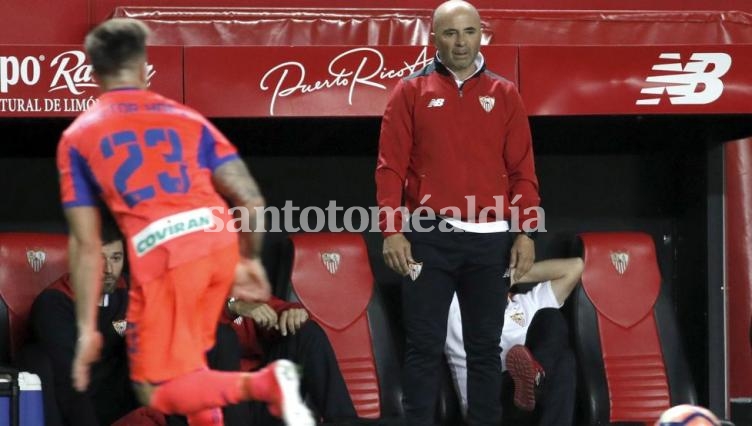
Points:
[[116, 44]]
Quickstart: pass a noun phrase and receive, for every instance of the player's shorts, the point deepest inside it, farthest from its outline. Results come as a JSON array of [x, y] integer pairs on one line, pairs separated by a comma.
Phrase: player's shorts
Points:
[[172, 320]]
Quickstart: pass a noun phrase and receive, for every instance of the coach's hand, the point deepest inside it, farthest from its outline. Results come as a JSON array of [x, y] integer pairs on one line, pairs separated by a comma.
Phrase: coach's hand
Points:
[[251, 283], [522, 257], [88, 347], [398, 254]]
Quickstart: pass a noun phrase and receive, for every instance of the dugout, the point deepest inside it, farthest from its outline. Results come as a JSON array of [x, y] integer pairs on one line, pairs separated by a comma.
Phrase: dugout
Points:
[[619, 145]]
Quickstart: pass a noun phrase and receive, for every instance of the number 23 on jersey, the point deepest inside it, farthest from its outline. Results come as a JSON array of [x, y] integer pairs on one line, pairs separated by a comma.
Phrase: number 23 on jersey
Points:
[[169, 175]]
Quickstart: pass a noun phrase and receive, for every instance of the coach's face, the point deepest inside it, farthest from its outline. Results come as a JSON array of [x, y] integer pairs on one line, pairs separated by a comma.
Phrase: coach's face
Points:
[[114, 258], [456, 35]]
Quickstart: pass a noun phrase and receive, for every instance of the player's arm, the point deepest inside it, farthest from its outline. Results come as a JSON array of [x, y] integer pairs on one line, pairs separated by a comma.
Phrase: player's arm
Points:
[[233, 180], [563, 274], [78, 190], [85, 263]]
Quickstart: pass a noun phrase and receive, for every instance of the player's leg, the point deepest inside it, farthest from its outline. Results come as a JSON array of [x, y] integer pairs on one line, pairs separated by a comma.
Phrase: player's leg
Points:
[[209, 417], [276, 384], [170, 336]]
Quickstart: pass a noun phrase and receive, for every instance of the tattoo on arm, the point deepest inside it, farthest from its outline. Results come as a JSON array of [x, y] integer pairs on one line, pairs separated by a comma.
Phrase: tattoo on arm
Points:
[[234, 182]]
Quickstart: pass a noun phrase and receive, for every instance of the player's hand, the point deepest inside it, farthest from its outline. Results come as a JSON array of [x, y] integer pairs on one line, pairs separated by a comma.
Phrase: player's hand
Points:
[[522, 257], [88, 348], [398, 253], [251, 283], [291, 320]]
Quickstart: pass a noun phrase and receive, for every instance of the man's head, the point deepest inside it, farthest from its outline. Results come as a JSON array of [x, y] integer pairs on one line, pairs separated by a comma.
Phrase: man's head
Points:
[[114, 259], [117, 51], [113, 254], [456, 34]]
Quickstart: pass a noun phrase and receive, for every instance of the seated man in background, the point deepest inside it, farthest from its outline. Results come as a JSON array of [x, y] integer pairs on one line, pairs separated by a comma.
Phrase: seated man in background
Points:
[[110, 399], [536, 354], [53, 321], [278, 329]]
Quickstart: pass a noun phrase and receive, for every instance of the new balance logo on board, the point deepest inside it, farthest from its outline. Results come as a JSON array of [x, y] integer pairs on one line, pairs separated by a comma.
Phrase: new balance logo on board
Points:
[[698, 82], [436, 103]]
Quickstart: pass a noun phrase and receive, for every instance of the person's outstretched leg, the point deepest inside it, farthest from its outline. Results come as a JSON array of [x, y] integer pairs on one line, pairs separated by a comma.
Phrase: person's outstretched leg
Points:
[[210, 417], [225, 356], [277, 385], [169, 349]]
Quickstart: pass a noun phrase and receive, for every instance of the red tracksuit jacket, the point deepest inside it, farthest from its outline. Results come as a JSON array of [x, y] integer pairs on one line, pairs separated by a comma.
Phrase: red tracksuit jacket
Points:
[[449, 143]]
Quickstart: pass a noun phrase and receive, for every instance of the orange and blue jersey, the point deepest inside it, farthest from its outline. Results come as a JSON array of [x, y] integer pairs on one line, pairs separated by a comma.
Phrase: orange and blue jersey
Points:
[[150, 159]]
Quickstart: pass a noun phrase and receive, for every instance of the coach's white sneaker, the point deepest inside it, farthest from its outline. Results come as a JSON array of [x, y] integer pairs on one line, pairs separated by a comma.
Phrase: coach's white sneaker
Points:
[[290, 407]]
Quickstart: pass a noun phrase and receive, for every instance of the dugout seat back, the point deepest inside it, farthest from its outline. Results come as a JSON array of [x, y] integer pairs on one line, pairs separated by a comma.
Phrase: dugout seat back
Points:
[[625, 333], [29, 262], [331, 276]]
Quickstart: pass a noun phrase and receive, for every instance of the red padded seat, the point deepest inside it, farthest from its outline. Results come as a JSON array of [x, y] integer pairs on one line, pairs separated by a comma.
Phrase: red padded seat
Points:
[[625, 332], [29, 262], [331, 276]]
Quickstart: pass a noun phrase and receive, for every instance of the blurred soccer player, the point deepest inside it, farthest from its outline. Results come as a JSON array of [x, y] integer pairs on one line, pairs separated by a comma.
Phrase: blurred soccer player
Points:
[[163, 170]]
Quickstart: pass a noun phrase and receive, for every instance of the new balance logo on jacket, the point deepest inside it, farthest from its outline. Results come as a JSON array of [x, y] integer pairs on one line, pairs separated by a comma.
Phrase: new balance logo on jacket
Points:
[[436, 103]]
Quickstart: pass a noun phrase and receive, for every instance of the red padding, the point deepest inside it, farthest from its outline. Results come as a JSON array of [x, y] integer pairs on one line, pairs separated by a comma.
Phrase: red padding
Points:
[[624, 298], [337, 298], [739, 265], [362, 26], [20, 283], [332, 278], [635, 372], [622, 280]]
